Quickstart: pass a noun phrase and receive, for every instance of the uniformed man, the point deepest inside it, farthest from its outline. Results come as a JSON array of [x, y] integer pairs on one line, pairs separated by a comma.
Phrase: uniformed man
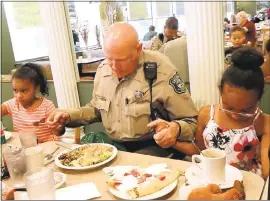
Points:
[[121, 98], [170, 33]]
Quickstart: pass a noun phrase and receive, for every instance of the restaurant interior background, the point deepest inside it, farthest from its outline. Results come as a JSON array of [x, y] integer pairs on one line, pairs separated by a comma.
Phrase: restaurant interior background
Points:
[[23, 37]]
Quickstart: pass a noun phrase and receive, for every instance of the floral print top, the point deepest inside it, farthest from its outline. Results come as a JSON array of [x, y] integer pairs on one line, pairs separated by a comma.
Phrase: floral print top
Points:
[[241, 145]]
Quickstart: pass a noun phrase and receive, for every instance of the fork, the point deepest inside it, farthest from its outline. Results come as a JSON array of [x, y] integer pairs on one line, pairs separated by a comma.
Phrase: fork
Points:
[[49, 156], [63, 146]]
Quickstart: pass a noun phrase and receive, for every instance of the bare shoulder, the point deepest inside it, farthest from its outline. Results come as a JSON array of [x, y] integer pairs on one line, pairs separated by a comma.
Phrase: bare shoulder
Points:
[[262, 124], [204, 114], [205, 110]]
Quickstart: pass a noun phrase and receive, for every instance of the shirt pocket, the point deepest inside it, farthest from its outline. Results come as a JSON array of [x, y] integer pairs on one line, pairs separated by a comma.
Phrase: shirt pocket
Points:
[[103, 105], [137, 116]]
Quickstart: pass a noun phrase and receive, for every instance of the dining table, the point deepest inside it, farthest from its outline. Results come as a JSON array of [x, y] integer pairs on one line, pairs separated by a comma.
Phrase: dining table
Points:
[[81, 62], [265, 193], [253, 183]]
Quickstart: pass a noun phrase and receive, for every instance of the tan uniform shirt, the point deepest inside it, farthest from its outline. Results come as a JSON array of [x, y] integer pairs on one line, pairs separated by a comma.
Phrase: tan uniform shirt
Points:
[[155, 43], [124, 105]]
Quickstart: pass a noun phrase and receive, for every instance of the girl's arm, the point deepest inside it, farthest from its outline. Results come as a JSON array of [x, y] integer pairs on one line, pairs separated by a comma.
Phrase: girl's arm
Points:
[[7, 107], [265, 147], [4, 110], [187, 147], [262, 126]]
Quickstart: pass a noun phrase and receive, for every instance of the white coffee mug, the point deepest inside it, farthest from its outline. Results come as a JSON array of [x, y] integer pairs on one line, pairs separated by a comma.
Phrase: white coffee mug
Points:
[[34, 157], [213, 163]]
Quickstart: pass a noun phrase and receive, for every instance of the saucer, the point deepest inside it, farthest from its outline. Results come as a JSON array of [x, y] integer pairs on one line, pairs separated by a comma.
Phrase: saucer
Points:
[[59, 179], [194, 175]]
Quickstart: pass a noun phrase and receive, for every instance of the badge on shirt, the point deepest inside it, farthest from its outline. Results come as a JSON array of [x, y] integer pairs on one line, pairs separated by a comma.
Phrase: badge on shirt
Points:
[[178, 84], [138, 96]]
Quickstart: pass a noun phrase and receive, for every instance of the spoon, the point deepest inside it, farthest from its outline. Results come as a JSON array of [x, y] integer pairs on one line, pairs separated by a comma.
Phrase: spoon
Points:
[[196, 147], [209, 156], [49, 156]]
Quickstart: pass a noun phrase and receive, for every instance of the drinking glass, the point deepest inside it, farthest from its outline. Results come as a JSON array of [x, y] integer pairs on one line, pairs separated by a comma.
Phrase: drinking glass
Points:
[[28, 138], [40, 183], [14, 158]]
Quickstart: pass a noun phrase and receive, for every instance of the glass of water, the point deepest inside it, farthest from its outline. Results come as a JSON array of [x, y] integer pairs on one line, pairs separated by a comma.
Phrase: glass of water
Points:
[[28, 137], [40, 183], [14, 158]]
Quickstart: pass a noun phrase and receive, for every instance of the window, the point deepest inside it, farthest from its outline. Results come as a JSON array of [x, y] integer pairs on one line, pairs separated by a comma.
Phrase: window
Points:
[[179, 8], [85, 14], [138, 11], [163, 9], [26, 30], [141, 26], [229, 9], [143, 14], [139, 16], [159, 24]]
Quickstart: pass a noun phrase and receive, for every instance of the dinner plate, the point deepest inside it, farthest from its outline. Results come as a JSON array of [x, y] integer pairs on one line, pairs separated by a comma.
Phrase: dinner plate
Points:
[[194, 175], [158, 194], [7, 135], [59, 164]]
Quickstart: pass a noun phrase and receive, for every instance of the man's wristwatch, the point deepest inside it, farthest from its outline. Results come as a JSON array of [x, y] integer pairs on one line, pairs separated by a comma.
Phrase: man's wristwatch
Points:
[[179, 131]]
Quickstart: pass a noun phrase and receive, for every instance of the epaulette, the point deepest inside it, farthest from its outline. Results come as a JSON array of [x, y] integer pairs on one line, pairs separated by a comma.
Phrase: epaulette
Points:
[[103, 63]]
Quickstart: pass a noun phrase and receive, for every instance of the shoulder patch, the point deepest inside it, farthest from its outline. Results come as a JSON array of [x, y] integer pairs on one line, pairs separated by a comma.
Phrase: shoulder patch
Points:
[[178, 84]]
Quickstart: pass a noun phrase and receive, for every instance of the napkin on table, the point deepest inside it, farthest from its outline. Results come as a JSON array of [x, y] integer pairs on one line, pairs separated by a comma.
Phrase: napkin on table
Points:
[[84, 191]]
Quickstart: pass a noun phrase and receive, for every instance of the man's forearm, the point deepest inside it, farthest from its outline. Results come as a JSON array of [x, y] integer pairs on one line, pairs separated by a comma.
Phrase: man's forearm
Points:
[[188, 127], [186, 147], [83, 116]]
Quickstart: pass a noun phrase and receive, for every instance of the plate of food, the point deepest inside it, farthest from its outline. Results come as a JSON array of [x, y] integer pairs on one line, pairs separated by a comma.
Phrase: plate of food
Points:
[[201, 191], [86, 156], [139, 183]]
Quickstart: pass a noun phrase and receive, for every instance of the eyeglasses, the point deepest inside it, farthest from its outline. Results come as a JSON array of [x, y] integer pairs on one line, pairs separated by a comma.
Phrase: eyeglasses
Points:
[[241, 114]]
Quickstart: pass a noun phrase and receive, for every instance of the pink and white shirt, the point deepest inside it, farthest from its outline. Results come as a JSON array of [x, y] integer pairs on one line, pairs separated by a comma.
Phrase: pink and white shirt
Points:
[[23, 119]]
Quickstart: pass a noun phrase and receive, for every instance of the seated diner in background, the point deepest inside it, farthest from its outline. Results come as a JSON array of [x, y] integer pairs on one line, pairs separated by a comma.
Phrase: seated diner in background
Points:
[[170, 32], [237, 36], [248, 26], [150, 34]]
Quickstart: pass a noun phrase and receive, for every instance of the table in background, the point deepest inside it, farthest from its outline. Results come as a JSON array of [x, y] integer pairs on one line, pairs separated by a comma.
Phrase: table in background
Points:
[[93, 60]]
